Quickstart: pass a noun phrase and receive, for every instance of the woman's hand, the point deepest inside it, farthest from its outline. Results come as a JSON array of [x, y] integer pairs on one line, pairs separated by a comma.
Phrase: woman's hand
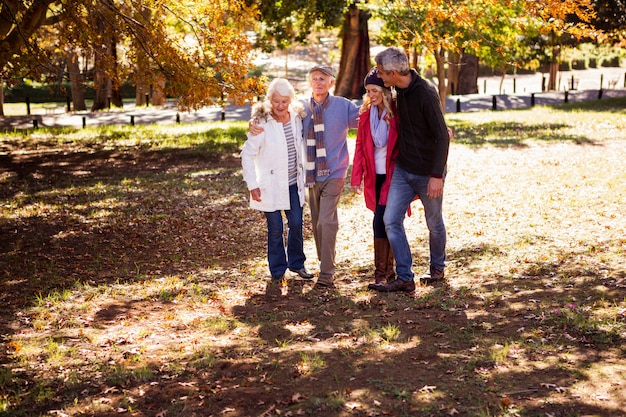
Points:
[[256, 194]]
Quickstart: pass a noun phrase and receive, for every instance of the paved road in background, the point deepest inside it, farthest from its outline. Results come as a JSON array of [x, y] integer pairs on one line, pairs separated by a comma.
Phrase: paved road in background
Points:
[[516, 92]]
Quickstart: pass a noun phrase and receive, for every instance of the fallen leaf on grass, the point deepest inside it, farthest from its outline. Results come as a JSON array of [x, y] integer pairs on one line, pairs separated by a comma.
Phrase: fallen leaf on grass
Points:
[[352, 405]]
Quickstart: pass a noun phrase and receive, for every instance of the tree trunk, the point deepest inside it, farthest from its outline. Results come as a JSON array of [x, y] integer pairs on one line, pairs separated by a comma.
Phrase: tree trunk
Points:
[[441, 78], [1, 99], [76, 82], [454, 69], [554, 67], [415, 58], [158, 92], [468, 75], [142, 85], [116, 88], [107, 87], [355, 54]]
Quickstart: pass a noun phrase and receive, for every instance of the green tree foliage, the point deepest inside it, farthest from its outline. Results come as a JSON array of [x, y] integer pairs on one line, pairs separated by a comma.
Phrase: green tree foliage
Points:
[[288, 21]]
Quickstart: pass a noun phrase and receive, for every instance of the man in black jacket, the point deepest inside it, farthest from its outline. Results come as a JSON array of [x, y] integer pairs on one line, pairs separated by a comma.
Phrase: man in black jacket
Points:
[[423, 143]]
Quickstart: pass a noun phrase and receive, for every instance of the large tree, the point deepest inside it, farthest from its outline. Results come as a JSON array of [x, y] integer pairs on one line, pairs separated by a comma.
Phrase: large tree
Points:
[[355, 53], [198, 51], [287, 22]]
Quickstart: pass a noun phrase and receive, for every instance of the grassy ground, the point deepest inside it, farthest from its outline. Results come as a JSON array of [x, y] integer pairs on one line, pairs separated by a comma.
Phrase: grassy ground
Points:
[[134, 280]]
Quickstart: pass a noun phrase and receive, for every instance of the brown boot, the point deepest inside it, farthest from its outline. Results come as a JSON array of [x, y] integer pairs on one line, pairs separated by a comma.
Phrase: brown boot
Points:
[[381, 249], [390, 272]]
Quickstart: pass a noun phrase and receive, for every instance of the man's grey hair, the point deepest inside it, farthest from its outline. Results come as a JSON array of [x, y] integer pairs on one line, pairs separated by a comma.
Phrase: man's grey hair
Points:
[[393, 59]]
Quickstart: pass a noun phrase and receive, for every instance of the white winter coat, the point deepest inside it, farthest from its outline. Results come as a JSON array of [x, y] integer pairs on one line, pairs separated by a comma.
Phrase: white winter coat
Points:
[[264, 159]]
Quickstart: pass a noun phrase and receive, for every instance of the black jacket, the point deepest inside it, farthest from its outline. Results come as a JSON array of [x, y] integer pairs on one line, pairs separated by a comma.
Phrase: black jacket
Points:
[[423, 139]]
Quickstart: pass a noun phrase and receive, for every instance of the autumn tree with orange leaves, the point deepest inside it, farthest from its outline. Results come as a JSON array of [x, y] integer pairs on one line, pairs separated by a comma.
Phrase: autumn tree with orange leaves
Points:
[[195, 51], [491, 29]]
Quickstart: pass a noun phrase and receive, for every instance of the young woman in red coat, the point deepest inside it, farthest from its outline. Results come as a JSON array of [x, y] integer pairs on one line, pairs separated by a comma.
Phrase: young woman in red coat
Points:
[[373, 164]]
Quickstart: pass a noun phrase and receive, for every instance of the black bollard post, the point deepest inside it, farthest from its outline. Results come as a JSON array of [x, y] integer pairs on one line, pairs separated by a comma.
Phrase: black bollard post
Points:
[[532, 100], [543, 83], [599, 94], [132, 120], [458, 105], [177, 118], [572, 86], [147, 100], [223, 114], [84, 122], [68, 103], [601, 80], [109, 103], [566, 94], [514, 86], [35, 124], [28, 106], [494, 104]]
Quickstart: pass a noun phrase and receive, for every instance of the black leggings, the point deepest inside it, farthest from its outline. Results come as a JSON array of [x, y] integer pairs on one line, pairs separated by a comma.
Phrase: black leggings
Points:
[[378, 223]]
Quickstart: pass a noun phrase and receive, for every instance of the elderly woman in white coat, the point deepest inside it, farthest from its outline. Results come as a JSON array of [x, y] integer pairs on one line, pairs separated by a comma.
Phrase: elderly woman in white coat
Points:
[[273, 169]]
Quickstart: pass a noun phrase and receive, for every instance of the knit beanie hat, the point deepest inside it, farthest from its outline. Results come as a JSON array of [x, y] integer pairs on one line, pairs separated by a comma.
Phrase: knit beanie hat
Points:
[[372, 78]]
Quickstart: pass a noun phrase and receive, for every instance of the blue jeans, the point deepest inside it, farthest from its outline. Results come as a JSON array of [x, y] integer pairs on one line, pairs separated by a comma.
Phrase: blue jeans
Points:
[[294, 258], [403, 189]]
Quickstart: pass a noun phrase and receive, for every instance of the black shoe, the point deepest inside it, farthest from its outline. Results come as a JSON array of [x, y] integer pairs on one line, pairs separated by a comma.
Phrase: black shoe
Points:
[[375, 286], [396, 285], [432, 275], [277, 279], [303, 273]]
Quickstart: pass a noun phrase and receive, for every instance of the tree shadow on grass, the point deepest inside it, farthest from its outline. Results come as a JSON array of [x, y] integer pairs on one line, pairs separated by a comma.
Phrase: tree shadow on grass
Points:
[[106, 216], [497, 346]]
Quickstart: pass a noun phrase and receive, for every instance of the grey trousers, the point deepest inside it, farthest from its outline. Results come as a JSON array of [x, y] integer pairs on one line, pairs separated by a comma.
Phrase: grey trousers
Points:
[[323, 199]]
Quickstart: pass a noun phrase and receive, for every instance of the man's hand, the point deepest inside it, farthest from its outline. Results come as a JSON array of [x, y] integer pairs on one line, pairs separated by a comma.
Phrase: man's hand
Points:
[[255, 129], [358, 189], [256, 194], [435, 187]]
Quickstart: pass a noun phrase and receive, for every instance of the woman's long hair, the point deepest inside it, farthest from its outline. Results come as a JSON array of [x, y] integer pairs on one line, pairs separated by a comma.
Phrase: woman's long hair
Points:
[[387, 100]]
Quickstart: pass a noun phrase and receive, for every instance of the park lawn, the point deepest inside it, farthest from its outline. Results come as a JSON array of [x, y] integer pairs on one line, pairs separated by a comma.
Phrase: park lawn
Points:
[[134, 280]]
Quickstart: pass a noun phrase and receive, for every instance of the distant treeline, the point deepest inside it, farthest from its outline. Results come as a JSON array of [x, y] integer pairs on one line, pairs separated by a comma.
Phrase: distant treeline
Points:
[[50, 93]]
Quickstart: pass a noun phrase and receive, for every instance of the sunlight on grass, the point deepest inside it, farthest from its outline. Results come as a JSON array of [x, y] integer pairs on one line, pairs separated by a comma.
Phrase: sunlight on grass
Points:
[[134, 267], [310, 363]]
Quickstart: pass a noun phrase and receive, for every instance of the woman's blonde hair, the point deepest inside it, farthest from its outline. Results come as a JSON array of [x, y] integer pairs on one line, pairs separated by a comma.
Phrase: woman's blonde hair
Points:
[[367, 101]]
